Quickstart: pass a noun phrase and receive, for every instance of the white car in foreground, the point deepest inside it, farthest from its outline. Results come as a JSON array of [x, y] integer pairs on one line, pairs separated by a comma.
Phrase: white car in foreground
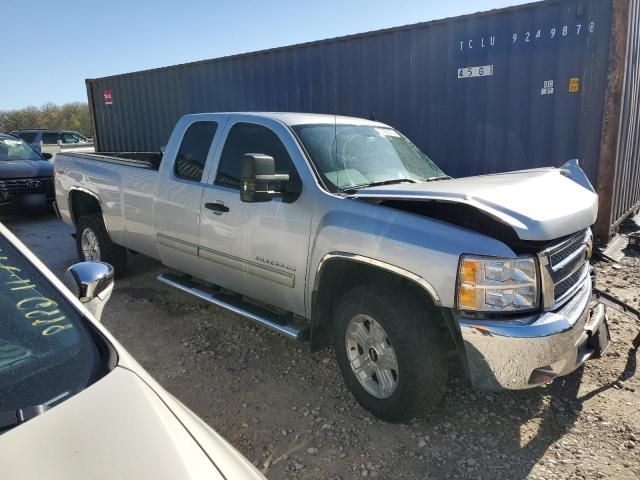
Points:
[[73, 403]]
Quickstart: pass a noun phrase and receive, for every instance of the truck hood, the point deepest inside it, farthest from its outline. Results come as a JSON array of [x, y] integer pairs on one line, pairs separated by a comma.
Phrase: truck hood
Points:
[[539, 205], [119, 427], [26, 169]]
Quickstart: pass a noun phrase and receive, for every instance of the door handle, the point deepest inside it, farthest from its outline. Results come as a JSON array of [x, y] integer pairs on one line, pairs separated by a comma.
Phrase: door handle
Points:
[[218, 207]]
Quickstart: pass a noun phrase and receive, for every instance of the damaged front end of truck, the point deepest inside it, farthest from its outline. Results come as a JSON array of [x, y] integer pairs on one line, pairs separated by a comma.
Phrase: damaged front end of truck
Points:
[[526, 320]]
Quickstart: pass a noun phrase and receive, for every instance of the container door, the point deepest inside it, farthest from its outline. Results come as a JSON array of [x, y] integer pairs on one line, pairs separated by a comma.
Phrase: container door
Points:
[[179, 193], [256, 249]]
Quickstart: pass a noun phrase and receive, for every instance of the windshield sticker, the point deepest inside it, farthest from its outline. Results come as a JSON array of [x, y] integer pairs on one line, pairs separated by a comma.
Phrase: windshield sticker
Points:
[[40, 311], [387, 132], [11, 142], [12, 354]]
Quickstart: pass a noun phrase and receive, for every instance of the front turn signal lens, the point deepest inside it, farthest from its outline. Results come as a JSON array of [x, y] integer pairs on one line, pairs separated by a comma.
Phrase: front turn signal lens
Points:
[[469, 270], [468, 298]]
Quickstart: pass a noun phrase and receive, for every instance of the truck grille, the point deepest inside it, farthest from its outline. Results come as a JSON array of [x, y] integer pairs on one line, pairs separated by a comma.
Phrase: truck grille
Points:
[[564, 266], [565, 285], [11, 187], [558, 256]]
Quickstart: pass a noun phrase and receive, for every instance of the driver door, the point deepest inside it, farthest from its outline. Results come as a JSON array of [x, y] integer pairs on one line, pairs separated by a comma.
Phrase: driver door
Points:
[[256, 249]]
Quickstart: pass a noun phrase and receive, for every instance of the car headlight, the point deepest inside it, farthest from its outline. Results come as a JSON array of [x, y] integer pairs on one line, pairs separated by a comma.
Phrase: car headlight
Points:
[[488, 284]]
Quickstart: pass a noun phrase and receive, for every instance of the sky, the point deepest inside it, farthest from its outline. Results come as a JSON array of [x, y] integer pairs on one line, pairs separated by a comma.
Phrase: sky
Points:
[[50, 48]]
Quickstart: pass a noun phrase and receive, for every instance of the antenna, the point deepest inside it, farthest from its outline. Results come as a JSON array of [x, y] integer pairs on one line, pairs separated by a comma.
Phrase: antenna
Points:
[[335, 128]]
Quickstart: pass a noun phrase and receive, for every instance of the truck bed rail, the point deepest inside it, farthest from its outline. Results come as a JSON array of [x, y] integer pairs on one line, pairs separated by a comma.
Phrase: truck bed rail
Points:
[[150, 160]]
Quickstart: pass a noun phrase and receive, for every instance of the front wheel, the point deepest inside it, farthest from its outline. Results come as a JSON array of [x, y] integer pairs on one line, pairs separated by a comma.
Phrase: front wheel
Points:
[[389, 351], [94, 245]]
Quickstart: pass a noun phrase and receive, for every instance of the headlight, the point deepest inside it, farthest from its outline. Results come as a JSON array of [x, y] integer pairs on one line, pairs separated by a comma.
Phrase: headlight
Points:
[[487, 284]]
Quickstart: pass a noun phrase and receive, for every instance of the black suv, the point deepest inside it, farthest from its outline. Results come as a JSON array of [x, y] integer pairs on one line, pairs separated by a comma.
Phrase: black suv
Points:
[[25, 174]]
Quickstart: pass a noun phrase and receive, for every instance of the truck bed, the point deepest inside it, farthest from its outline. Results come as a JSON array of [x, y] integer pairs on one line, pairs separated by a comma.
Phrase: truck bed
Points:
[[134, 159], [123, 182]]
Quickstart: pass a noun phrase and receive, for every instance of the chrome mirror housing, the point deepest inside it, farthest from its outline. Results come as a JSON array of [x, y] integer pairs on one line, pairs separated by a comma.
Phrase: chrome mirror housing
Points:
[[92, 283]]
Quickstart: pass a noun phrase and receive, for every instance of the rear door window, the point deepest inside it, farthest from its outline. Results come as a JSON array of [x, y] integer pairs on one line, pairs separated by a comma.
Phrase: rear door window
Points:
[[192, 156]]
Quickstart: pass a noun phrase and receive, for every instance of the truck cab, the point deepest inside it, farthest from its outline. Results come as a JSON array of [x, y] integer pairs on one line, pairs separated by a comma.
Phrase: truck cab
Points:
[[258, 249]]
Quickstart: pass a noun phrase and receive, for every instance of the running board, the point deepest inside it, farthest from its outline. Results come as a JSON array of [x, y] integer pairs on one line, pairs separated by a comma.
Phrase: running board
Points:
[[279, 323]]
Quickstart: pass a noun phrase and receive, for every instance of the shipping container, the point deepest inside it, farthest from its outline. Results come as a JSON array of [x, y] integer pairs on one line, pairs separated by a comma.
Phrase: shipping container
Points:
[[521, 87]]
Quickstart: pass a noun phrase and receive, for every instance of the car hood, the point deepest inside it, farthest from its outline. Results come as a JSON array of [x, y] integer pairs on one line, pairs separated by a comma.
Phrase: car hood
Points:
[[541, 204], [26, 169], [119, 427]]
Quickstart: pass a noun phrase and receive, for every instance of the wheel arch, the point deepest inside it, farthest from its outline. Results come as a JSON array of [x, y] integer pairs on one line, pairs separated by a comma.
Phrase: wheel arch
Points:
[[83, 202], [339, 271]]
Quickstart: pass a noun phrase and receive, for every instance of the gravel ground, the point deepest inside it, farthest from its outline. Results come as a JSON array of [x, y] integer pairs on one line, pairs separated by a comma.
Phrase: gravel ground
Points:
[[288, 412]]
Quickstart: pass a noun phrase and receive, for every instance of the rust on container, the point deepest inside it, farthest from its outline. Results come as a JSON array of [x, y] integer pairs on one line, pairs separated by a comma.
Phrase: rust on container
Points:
[[611, 119]]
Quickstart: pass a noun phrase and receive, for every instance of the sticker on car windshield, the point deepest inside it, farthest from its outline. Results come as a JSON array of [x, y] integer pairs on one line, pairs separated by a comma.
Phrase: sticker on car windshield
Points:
[[37, 309], [11, 142], [387, 132]]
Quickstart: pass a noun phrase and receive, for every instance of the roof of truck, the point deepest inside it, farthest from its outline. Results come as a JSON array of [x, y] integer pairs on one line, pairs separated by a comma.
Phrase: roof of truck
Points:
[[296, 118]]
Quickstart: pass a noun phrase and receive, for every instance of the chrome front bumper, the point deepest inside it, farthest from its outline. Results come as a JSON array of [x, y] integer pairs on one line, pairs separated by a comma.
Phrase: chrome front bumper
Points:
[[525, 352]]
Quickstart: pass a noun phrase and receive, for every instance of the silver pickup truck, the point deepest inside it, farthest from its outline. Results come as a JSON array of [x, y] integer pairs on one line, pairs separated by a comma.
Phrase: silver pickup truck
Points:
[[342, 232]]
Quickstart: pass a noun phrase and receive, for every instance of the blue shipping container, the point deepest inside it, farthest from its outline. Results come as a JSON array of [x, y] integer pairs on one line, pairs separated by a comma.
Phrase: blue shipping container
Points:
[[516, 88]]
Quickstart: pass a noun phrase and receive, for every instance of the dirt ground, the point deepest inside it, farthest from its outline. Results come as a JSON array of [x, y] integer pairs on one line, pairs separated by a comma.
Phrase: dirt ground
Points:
[[288, 412]]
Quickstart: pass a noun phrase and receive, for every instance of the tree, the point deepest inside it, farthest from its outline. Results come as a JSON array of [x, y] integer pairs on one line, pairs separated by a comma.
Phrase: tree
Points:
[[70, 116]]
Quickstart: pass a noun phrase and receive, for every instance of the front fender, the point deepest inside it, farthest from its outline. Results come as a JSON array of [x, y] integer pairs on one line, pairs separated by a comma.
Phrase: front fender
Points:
[[421, 249]]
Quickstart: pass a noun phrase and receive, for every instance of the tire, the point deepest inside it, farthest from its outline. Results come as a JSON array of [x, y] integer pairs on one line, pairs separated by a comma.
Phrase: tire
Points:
[[421, 372], [93, 228]]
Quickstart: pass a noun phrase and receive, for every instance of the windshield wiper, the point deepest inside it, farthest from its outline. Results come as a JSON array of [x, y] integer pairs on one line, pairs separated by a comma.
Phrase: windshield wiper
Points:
[[439, 177], [13, 418], [353, 188]]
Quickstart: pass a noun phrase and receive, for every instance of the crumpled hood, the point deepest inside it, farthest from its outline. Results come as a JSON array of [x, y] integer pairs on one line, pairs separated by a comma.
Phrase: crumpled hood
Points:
[[540, 204], [26, 169]]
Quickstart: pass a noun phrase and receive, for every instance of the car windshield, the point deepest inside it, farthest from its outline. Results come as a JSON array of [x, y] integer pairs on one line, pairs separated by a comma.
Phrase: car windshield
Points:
[[47, 351], [13, 149], [356, 156]]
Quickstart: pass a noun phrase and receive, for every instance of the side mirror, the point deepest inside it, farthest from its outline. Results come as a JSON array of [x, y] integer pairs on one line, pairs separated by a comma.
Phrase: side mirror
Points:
[[47, 156], [92, 283], [259, 181]]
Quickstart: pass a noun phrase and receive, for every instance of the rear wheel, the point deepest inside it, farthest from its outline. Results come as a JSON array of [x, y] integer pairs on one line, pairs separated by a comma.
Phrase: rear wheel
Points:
[[390, 352], [93, 244]]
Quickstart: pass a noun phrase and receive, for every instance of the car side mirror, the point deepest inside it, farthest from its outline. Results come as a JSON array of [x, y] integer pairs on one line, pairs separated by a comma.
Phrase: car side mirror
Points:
[[47, 156], [259, 181], [92, 283]]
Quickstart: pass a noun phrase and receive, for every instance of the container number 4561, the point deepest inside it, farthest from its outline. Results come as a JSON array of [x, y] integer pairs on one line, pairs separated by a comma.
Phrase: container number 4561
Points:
[[481, 71]]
